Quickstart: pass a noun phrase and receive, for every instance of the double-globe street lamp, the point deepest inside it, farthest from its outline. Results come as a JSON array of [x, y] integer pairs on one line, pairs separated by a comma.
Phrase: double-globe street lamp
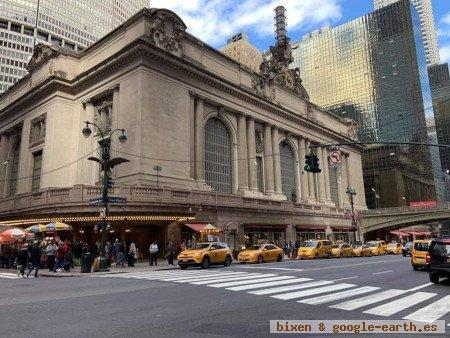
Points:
[[106, 165]]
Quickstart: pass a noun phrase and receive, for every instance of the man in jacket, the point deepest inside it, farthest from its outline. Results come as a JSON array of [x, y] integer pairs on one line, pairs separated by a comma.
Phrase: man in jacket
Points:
[[35, 260], [51, 252], [153, 250], [170, 253]]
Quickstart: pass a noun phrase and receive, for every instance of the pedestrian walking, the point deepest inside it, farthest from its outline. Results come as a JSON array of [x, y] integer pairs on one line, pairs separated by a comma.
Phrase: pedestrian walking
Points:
[[22, 260], [50, 250], [35, 259], [60, 253], [120, 254], [169, 253], [153, 251], [132, 254]]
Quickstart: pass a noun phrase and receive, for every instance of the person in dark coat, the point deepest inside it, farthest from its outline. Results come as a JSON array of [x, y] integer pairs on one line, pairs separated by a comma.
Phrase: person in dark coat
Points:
[[94, 250], [35, 259], [22, 259], [170, 253]]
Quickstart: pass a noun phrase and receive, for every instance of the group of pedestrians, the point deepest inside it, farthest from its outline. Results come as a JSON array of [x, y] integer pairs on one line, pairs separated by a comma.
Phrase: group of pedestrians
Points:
[[153, 253], [291, 248]]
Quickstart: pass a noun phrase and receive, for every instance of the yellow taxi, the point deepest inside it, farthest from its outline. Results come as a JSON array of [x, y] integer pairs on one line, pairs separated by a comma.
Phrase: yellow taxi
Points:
[[419, 253], [377, 247], [394, 248], [362, 251], [205, 255], [342, 250], [260, 254], [315, 249]]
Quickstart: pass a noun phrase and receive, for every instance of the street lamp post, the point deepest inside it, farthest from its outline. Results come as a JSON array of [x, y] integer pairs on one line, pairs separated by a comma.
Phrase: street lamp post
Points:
[[351, 192], [106, 164]]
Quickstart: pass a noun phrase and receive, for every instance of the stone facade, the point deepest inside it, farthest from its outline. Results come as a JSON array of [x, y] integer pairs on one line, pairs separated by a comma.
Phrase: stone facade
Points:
[[162, 85]]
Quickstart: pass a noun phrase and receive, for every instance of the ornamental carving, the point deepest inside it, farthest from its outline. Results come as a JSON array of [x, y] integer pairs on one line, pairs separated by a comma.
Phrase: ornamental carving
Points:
[[166, 31], [258, 83], [103, 115], [311, 113], [37, 130], [42, 53], [259, 140], [352, 131]]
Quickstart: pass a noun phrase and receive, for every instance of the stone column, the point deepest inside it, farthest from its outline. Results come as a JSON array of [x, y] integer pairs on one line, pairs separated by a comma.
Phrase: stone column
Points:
[[251, 148], [298, 187], [116, 108], [242, 153], [321, 177], [310, 176], [4, 142], [268, 160], [303, 174], [199, 140], [326, 173], [343, 200], [276, 160]]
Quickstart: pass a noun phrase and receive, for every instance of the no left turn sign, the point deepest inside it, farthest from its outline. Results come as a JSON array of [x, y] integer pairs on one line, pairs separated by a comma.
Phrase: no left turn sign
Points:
[[335, 157]]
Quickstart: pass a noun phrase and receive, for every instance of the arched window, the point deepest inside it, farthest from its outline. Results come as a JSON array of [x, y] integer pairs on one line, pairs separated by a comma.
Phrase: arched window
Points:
[[217, 156], [14, 170], [287, 170]]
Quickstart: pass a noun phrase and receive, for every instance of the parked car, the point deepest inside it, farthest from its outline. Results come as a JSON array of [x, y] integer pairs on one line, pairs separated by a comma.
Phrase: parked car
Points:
[[342, 250], [438, 259], [260, 254], [378, 247], [315, 249], [419, 254], [362, 250], [205, 255], [407, 248], [394, 248]]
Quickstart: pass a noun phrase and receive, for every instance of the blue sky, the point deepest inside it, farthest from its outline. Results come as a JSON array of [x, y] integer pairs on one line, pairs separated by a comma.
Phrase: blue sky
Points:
[[215, 20]]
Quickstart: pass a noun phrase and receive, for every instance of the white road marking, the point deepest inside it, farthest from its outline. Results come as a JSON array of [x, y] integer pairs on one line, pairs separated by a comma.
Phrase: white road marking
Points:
[[398, 305], [338, 295], [289, 288], [181, 279], [381, 272], [346, 278], [367, 300], [221, 280], [419, 287], [315, 291], [9, 276], [245, 282], [351, 265], [432, 312], [267, 268], [266, 284]]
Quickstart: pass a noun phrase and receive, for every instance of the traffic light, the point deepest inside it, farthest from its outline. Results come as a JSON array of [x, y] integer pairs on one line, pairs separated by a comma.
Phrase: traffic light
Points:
[[312, 164]]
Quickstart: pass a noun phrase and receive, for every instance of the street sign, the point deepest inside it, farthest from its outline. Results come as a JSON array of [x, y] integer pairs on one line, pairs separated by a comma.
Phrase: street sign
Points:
[[117, 200], [96, 201], [335, 157], [103, 213]]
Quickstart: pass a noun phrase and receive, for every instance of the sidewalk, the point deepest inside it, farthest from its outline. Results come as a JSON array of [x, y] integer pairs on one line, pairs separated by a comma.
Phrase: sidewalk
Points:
[[141, 266]]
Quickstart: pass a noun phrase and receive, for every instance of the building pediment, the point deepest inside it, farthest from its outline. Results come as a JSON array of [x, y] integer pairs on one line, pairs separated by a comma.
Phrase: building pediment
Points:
[[42, 54]]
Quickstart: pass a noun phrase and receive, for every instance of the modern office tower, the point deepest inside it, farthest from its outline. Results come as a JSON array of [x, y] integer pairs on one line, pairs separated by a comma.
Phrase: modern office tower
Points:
[[373, 70], [73, 25], [428, 27], [239, 48]]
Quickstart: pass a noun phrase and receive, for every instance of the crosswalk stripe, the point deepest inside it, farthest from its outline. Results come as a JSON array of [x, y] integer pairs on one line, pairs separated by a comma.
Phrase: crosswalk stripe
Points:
[[245, 282], [338, 295], [432, 312], [151, 274], [182, 279], [314, 291], [289, 288], [240, 278], [8, 276], [266, 284], [398, 305], [371, 299]]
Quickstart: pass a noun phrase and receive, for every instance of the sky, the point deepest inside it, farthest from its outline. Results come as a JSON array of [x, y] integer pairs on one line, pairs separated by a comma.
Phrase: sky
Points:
[[213, 21]]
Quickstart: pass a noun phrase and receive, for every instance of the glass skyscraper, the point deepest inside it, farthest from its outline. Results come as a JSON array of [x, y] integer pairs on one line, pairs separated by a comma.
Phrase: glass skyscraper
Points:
[[71, 24], [373, 70]]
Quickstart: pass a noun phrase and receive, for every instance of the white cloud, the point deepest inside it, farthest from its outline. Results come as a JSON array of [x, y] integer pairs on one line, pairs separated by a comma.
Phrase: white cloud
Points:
[[214, 21], [445, 53], [446, 19]]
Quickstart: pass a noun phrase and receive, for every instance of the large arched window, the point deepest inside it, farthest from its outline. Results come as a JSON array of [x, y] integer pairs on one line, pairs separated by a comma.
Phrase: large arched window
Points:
[[14, 170], [287, 170], [217, 156]]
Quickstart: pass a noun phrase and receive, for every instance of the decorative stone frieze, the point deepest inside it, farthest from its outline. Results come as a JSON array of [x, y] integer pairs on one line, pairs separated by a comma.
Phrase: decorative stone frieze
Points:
[[37, 130], [103, 114], [42, 53]]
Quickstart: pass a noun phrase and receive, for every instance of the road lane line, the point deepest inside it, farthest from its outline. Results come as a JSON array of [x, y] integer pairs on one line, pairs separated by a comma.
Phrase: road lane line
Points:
[[266, 284], [352, 265], [222, 280], [367, 300], [267, 268], [314, 291], [381, 272], [398, 305], [9, 276], [432, 312], [289, 288], [215, 277], [181, 279], [346, 278], [338, 295], [245, 282], [419, 287]]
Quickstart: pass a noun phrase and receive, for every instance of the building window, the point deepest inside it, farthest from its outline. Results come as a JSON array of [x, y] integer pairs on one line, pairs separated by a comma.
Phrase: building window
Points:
[[14, 170], [259, 173], [217, 156], [37, 166], [287, 170], [332, 173]]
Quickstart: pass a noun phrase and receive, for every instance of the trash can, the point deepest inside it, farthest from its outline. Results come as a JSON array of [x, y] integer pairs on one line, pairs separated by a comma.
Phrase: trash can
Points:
[[86, 263]]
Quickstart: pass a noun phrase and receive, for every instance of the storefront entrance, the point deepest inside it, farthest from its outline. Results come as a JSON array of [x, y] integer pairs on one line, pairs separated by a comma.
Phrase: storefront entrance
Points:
[[305, 234], [264, 234]]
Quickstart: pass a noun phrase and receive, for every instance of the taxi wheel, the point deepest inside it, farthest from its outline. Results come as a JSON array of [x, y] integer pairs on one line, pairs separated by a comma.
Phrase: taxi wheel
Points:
[[434, 278], [316, 256], [279, 258], [341, 255], [330, 255], [183, 267], [205, 263], [227, 261], [260, 259], [352, 255], [415, 267]]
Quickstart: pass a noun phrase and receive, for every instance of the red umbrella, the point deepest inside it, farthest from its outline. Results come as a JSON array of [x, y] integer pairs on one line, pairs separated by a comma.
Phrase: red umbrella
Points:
[[11, 235]]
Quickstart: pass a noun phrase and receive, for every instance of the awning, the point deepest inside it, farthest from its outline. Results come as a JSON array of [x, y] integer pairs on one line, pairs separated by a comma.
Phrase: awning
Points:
[[426, 233], [310, 227], [197, 227], [414, 233], [399, 233]]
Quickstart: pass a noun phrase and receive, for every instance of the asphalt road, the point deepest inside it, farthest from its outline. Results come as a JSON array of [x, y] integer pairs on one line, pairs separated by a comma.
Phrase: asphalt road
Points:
[[236, 301]]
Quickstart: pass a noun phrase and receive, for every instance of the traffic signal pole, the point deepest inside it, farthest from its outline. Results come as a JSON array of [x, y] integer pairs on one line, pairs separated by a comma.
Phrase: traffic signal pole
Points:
[[105, 149]]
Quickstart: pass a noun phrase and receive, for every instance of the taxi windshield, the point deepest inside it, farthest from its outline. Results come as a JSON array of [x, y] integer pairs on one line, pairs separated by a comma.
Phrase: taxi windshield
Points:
[[310, 244], [372, 244], [202, 246], [255, 247], [392, 245], [335, 246]]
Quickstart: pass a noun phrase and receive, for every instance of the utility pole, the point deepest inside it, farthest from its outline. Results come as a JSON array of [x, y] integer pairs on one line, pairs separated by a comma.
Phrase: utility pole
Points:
[[351, 192]]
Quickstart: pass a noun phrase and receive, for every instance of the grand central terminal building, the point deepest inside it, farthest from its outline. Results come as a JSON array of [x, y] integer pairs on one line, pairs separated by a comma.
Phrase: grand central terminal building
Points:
[[209, 141]]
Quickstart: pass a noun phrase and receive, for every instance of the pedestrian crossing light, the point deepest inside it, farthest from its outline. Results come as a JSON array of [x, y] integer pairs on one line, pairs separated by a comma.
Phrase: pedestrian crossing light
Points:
[[312, 164]]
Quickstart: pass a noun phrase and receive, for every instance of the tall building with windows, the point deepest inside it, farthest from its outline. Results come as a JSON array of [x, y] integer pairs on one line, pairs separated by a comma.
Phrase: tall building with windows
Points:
[[373, 70], [239, 48], [425, 9], [72, 25]]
